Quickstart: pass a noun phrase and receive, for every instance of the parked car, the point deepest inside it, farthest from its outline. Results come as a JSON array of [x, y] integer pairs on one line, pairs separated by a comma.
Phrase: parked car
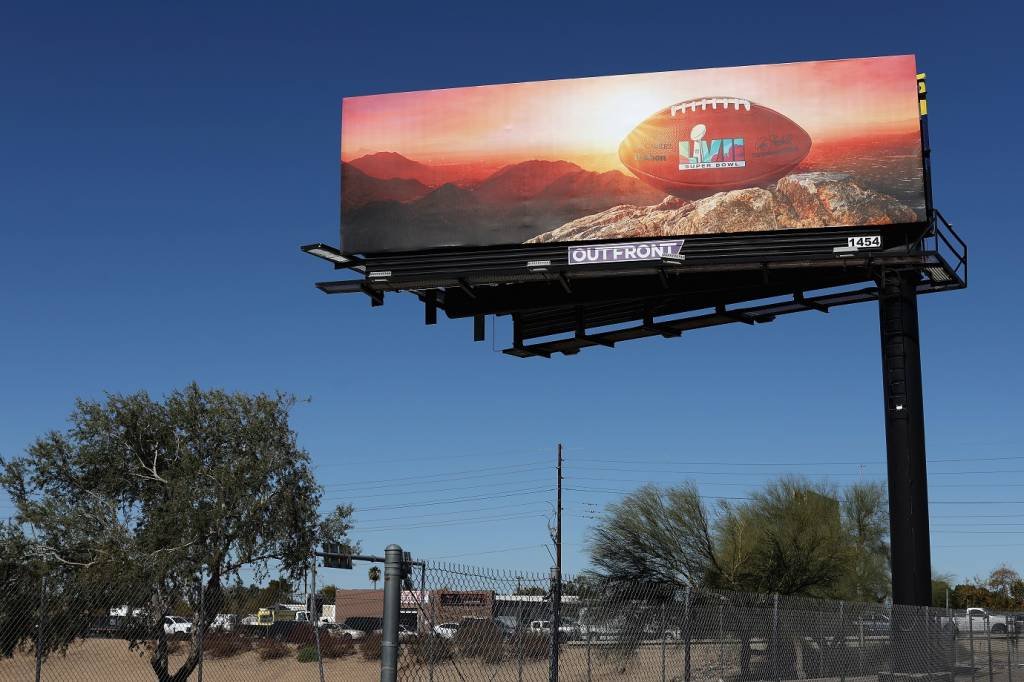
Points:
[[567, 630], [224, 622], [975, 619], [874, 624], [446, 630], [176, 626], [356, 627], [117, 627]]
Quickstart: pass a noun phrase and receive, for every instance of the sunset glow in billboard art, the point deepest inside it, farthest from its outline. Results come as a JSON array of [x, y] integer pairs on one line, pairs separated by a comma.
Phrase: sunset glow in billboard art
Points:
[[756, 148]]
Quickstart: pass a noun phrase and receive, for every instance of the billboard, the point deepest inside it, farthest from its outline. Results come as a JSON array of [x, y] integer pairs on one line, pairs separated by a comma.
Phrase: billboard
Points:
[[646, 157]]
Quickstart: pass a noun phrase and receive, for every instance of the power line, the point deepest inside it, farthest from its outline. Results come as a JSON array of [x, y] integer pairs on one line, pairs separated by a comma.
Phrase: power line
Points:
[[527, 491], [474, 486], [488, 551], [445, 475], [458, 512], [456, 522]]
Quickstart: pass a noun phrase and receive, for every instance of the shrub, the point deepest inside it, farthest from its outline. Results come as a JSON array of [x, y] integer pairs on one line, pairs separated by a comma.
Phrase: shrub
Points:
[[225, 644], [481, 638], [530, 645], [336, 646], [370, 645], [271, 649], [306, 654], [430, 649]]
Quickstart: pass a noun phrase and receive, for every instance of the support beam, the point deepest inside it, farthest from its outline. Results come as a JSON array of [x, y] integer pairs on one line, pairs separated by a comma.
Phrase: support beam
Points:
[[430, 307], [904, 438], [479, 327]]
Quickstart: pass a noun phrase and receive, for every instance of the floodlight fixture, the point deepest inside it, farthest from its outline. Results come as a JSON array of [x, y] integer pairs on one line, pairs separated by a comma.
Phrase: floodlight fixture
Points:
[[329, 253]]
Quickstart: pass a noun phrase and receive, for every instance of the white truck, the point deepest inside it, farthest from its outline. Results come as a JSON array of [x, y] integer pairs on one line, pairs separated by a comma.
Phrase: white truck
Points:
[[976, 619]]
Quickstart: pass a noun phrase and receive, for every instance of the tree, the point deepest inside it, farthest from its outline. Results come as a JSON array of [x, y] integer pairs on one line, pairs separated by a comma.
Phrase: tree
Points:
[[374, 575], [791, 537], [159, 505], [1006, 582], [329, 594]]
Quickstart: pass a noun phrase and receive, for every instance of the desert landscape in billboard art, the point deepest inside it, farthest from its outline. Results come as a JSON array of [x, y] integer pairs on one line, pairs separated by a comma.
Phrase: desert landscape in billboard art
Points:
[[743, 149]]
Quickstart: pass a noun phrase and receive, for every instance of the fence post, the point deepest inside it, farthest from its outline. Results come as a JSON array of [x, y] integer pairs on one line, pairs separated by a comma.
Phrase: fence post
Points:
[[520, 637], [1009, 654], [588, 653], [663, 635], [776, 673], [393, 559], [430, 622], [860, 645], [970, 637], [556, 620], [41, 625], [842, 643], [721, 636], [686, 637], [200, 636], [988, 639], [821, 642], [315, 616]]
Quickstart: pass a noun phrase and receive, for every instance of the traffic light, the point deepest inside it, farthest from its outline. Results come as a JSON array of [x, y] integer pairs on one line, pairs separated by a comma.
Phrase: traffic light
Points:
[[335, 557]]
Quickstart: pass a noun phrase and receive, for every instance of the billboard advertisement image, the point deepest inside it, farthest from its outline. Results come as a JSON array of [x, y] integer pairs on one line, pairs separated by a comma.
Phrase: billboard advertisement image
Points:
[[641, 157]]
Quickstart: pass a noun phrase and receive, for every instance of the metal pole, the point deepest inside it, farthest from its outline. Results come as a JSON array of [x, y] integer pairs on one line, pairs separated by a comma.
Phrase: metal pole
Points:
[[776, 674], [520, 636], [860, 647], [556, 598], [588, 653], [821, 644], [430, 624], [721, 637], [842, 642], [970, 636], [42, 626], [686, 637], [392, 607], [988, 639], [202, 623], [663, 642], [315, 616], [904, 439], [556, 580]]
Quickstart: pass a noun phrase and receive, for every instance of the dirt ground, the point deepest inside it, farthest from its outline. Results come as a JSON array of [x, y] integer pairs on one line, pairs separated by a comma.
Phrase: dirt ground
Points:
[[97, 660]]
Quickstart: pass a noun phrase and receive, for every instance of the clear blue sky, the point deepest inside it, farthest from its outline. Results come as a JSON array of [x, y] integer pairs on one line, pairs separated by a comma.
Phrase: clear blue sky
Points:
[[160, 163]]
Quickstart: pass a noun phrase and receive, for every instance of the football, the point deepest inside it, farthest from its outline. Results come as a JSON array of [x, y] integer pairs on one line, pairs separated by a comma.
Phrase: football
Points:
[[713, 144]]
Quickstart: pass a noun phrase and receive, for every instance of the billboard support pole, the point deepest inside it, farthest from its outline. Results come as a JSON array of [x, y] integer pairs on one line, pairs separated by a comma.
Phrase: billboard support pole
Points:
[[904, 440]]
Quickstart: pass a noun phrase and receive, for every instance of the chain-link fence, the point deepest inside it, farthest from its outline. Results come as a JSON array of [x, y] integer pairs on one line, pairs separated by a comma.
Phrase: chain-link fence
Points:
[[463, 623], [104, 634], [475, 624]]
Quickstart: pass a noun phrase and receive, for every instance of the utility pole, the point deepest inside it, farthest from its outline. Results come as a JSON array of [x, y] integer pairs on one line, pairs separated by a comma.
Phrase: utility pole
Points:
[[556, 578]]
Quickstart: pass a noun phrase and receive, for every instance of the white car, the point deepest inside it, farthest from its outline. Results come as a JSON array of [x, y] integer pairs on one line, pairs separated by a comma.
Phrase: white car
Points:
[[176, 626], [446, 630], [225, 622]]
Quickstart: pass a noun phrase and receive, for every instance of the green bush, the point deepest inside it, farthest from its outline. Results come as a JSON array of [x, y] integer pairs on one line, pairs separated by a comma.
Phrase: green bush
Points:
[[306, 654], [481, 639], [370, 645], [270, 649], [336, 646], [430, 649], [531, 646], [225, 644]]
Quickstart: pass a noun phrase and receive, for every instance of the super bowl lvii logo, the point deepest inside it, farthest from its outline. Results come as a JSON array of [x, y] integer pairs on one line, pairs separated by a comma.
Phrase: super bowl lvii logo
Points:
[[699, 153]]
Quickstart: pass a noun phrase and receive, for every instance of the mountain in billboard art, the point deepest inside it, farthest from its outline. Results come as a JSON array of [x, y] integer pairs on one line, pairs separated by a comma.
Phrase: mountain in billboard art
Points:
[[503, 165], [713, 144]]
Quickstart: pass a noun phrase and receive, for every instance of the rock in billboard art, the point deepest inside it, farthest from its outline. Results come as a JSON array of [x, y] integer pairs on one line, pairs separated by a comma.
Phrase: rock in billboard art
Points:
[[806, 145]]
